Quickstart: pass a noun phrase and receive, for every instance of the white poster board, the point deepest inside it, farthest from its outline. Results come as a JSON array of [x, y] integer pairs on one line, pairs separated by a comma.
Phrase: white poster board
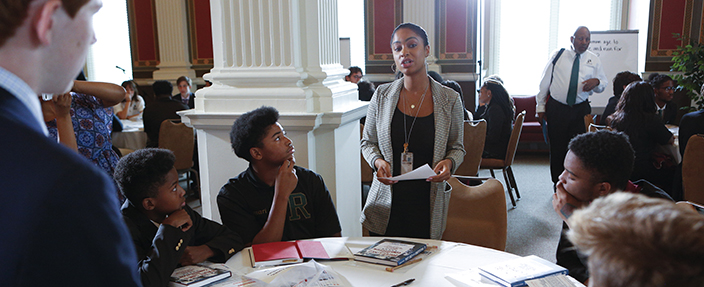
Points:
[[618, 51]]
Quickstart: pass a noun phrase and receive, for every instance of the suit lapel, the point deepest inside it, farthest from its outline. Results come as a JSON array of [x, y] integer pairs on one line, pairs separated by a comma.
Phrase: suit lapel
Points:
[[12, 109]]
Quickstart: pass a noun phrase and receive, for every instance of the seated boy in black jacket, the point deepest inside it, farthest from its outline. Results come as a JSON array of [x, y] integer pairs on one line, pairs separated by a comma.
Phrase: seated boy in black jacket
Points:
[[166, 232]]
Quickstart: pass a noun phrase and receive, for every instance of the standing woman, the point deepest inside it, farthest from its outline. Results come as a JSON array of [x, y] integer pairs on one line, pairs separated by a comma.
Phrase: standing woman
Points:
[[411, 122], [498, 113]]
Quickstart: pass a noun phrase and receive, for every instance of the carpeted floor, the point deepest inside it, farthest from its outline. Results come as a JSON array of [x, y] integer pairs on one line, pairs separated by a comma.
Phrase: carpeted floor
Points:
[[533, 226]]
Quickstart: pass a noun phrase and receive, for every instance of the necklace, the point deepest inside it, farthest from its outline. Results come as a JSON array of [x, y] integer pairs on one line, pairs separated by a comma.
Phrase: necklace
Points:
[[413, 106], [407, 135]]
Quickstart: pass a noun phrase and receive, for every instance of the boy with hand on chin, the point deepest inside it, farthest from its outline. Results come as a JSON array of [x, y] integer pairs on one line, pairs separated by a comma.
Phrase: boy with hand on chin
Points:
[[273, 200], [165, 231]]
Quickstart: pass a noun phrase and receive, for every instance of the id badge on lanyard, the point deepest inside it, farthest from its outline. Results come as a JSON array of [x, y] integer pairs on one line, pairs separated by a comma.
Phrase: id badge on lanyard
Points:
[[406, 160]]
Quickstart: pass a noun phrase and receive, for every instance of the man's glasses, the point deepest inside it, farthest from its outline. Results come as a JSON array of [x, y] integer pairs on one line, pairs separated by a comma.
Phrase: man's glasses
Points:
[[668, 88]]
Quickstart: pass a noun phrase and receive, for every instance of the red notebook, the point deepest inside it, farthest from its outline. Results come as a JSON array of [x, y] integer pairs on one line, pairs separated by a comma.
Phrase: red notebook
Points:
[[278, 253]]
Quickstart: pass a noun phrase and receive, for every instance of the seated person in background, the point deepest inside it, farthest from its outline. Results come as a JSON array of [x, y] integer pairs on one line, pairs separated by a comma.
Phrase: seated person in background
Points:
[[621, 80], [366, 91], [165, 231], [664, 88], [132, 105], [691, 124], [184, 95], [164, 108], [273, 200], [355, 75], [596, 164], [456, 86], [635, 116], [58, 109], [633, 240], [498, 113], [91, 117], [436, 76]]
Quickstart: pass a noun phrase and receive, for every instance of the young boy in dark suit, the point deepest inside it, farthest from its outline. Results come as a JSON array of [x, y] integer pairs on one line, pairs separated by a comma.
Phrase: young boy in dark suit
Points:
[[166, 232]]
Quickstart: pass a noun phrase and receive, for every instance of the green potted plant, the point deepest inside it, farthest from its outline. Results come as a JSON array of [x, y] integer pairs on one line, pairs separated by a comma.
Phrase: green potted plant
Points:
[[689, 60]]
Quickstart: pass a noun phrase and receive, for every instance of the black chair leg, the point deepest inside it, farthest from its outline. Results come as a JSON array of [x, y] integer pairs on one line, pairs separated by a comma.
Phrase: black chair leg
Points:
[[491, 170], [513, 181], [508, 188]]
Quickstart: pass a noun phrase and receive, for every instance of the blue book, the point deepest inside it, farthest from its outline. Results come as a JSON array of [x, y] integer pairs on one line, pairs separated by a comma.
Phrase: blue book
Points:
[[515, 272], [390, 252]]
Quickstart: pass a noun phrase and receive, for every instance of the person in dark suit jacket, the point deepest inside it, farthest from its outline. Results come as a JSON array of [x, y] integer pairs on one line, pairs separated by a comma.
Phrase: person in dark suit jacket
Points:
[[184, 95], [164, 108], [148, 179], [691, 124], [664, 88], [61, 224]]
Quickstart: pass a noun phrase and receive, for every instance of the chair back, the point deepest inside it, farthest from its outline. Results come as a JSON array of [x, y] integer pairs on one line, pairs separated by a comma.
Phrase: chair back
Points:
[[588, 120], [477, 214], [178, 138], [692, 166], [474, 138], [513, 141], [367, 171]]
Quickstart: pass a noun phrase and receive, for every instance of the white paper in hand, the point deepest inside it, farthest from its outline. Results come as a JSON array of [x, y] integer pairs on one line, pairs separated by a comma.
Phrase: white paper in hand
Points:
[[422, 172]]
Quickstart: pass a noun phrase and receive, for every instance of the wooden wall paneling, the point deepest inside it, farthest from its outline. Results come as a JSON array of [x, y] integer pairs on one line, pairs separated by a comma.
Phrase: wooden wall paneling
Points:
[[668, 17], [200, 35], [457, 37], [381, 17], [143, 37]]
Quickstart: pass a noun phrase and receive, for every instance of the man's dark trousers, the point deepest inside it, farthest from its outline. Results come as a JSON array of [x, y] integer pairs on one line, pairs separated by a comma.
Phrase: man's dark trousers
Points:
[[564, 123]]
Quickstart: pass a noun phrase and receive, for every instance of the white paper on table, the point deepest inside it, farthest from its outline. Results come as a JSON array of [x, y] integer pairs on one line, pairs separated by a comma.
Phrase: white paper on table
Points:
[[422, 172], [558, 280], [467, 278], [309, 274]]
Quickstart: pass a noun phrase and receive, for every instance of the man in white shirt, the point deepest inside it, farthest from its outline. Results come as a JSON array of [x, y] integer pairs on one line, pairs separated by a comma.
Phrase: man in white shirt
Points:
[[563, 100], [61, 224]]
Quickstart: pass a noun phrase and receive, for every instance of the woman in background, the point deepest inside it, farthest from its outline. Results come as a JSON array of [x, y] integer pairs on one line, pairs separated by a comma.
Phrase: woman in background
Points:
[[91, 116], [411, 122], [498, 112], [132, 105], [635, 116]]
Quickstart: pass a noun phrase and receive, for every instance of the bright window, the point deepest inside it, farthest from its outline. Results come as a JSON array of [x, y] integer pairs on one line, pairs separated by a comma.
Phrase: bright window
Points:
[[527, 35], [111, 53]]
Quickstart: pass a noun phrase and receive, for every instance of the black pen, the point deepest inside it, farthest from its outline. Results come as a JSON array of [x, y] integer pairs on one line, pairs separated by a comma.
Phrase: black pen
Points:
[[404, 283]]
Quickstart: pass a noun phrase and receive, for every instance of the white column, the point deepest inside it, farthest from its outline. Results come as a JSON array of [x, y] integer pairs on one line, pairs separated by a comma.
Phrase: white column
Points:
[[422, 13], [172, 31], [283, 54]]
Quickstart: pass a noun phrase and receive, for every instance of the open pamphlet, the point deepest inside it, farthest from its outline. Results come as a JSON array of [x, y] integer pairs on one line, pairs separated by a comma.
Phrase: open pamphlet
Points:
[[516, 272], [390, 252], [288, 252], [197, 275]]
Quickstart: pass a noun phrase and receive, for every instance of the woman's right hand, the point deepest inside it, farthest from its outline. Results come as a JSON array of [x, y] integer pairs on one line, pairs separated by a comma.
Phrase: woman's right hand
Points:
[[383, 169]]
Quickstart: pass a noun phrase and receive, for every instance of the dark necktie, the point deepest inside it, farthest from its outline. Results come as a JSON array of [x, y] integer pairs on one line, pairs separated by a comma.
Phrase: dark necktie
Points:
[[572, 91], [660, 113]]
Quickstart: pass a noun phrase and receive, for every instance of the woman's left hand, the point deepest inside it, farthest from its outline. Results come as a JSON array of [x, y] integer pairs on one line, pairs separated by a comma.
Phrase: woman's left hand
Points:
[[442, 169]]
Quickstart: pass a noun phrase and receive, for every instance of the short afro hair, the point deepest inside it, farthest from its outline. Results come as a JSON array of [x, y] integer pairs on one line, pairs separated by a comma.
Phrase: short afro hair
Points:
[[162, 87], [608, 155], [623, 79], [249, 129], [140, 173]]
